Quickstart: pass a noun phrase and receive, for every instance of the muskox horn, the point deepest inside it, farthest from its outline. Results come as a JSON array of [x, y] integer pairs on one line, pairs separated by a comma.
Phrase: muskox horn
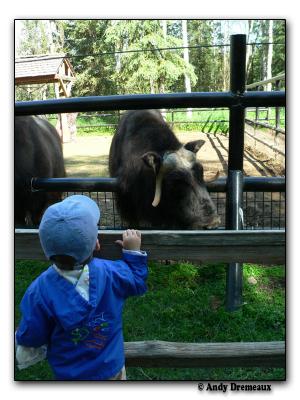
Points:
[[213, 178], [169, 162]]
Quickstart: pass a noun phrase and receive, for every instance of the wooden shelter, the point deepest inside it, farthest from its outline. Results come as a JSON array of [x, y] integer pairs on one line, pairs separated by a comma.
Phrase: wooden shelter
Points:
[[55, 69]]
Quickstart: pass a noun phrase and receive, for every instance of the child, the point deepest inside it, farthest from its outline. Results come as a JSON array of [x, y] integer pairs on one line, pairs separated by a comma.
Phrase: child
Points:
[[73, 310]]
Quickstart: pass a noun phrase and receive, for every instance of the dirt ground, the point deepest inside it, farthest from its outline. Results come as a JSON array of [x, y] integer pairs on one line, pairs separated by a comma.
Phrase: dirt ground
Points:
[[88, 156]]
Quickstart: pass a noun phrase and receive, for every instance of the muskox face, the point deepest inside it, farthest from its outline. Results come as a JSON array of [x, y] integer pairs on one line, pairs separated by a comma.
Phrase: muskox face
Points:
[[180, 192]]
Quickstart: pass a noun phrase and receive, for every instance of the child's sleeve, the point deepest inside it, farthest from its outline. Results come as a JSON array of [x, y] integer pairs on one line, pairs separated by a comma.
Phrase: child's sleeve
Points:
[[35, 326], [130, 274], [28, 356]]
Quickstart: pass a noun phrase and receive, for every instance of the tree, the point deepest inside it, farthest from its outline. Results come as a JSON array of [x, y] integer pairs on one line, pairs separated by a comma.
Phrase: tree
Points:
[[40, 37], [187, 79], [123, 56], [201, 33], [278, 62], [92, 57], [269, 54], [149, 70], [266, 60], [37, 37]]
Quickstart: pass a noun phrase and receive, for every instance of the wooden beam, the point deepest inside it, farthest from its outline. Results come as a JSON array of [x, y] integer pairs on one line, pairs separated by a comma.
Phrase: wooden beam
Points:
[[266, 246], [66, 78], [63, 87], [204, 355], [42, 79], [266, 81], [35, 79]]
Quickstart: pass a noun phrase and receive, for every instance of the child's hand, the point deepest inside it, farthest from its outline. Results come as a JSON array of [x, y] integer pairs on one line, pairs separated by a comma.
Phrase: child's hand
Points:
[[131, 240]]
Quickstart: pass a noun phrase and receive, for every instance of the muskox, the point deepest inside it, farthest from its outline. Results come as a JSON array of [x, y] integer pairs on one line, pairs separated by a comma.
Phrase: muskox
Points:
[[38, 153], [160, 180]]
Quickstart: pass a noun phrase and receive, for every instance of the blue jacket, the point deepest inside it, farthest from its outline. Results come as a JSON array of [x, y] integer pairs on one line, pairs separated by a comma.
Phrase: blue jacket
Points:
[[84, 338]]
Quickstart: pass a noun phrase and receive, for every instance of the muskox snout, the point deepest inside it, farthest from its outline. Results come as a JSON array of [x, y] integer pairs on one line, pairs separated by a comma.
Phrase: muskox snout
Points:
[[214, 222], [210, 223]]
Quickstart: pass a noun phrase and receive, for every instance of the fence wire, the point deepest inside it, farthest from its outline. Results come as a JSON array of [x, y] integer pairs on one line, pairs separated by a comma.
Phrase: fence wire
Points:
[[262, 210]]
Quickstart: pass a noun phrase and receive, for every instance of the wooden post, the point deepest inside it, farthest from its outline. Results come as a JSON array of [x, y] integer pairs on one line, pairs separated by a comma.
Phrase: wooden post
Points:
[[263, 247]]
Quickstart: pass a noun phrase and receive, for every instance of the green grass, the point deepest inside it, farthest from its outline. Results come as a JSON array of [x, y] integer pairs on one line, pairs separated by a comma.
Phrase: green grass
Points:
[[93, 130], [272, 115], [185, 303], [203, 121], [200, 121]]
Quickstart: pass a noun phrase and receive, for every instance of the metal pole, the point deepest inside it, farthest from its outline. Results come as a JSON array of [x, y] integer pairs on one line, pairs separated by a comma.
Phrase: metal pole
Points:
[[234, 277], [234, 221]]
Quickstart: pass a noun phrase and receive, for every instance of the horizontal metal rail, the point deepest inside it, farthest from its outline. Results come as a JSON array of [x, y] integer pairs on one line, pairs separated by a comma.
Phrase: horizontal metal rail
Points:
[[255, 184], [142, 101]]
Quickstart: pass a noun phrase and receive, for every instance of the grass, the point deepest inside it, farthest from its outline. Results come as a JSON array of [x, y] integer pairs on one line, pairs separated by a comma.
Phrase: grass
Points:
[[269, 119], [213, 121], [185, 303], [203, 121]]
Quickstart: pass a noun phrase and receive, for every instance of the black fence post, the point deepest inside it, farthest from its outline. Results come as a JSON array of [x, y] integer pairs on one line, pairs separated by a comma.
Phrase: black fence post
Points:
[[234, 276]]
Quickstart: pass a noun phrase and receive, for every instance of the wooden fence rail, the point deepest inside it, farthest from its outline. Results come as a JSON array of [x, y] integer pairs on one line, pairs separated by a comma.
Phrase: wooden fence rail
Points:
[[267, 246], [158, 354]]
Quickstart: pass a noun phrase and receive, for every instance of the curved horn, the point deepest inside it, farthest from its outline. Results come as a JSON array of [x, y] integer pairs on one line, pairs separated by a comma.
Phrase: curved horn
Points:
[[158, 184], [169, 162], [213, 178]]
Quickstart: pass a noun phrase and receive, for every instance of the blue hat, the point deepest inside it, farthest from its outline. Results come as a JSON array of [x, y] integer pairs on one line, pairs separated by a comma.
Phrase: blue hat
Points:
[[70, 228]]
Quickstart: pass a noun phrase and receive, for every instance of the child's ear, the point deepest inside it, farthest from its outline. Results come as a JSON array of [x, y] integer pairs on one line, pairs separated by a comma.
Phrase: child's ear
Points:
[[97, 247]]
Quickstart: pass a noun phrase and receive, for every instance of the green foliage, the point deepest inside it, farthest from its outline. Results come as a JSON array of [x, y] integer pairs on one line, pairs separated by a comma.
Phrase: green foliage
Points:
[[258, 59], [201, 121], [207, 60], [268, 117], [149, 71], [85, 40], [185, 303], [214, 121], [35, 40], [101, 53]]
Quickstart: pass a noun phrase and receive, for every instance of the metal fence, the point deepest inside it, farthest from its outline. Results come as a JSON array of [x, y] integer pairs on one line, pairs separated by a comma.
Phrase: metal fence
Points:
[[266, 122], [236, 100], [263, 202], [261, 210]]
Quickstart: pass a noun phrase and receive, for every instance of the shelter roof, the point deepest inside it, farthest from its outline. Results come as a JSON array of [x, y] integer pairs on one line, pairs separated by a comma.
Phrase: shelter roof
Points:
[[40, 69]]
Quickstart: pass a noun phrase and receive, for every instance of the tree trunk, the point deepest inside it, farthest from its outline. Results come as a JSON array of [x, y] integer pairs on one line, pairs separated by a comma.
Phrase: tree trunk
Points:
[[164, 27], [187, 80], [249, 53], [161, 86], [152, 87], [270, 55]]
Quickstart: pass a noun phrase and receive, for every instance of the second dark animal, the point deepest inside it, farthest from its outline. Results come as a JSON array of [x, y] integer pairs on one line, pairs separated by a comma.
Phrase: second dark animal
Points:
[[38, 153]]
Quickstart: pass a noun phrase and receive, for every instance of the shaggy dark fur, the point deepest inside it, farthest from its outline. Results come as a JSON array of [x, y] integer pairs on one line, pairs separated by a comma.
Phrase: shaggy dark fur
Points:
[[38, 153], [185, 202]]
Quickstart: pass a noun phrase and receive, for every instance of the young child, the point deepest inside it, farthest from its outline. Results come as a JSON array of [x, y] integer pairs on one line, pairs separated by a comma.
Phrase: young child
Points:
[[72, 313]]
